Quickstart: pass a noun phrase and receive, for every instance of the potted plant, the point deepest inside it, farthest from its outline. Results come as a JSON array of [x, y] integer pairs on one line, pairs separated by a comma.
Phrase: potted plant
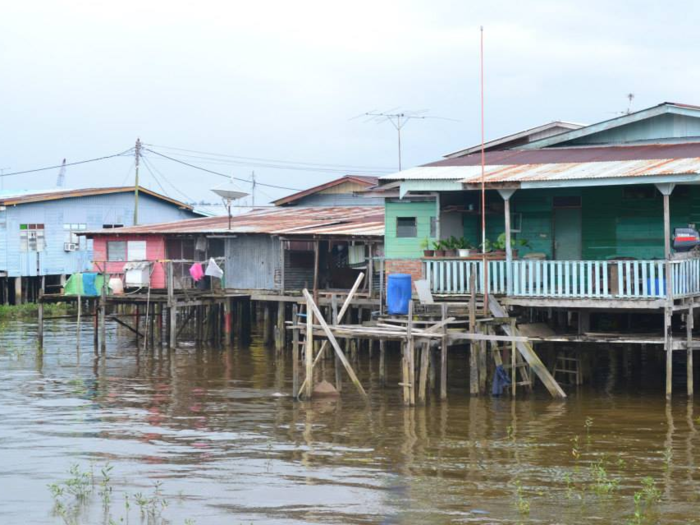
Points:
[[463, 247], [425, 246], [450, 246], [439, 248], [497, 248]]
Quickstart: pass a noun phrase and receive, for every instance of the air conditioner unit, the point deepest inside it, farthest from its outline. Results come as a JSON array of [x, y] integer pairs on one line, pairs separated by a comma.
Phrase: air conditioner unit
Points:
[[71, 246]]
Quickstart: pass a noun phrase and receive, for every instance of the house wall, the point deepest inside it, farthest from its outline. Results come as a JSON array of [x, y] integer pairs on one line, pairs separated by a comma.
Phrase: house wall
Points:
[[338, 199], [155, 251], [407, 248], [253, 262], [93, 211], [613, 224]]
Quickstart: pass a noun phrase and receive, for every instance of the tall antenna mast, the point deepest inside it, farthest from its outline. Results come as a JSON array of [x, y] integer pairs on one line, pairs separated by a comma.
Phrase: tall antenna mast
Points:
[[483, 180], [137, 155], [630, 98], [61, 180]]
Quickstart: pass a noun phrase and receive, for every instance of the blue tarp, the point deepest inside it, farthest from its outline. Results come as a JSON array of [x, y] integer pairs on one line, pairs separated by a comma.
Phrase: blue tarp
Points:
[[500, 381]]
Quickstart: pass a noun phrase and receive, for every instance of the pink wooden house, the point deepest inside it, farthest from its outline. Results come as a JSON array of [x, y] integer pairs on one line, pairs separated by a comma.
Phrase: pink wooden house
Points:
[[111, 253]]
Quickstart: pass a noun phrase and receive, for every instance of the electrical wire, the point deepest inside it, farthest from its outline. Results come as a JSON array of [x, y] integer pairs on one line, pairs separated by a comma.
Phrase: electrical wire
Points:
[[152, 165], [145, 163], [130, 150], [220, 174], [344, 167]]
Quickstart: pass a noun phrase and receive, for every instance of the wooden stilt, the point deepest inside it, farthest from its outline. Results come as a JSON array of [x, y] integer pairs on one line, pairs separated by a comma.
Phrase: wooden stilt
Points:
[[228, 321], [40, 321], [103, 318], [513, 362], [411, 358], [172, 338], [280, 341], [96, 328], [473, 345], [668, 348], [423, 374], [443, 356], [267, 323], [295, 351], [690, 321], [336, 361], [309, 352]]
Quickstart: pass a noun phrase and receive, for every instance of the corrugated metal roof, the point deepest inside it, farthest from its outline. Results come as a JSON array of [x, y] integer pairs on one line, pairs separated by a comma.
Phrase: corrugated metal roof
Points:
[[558, 171], [56, 194], [355, 221], [364, 180], [563, 164]]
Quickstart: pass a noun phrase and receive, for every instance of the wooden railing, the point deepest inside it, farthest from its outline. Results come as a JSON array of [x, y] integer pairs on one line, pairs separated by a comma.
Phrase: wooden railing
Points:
[[565, 279]]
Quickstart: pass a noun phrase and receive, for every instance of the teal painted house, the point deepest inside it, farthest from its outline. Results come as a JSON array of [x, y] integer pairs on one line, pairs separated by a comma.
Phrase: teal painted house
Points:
[[588, 204]]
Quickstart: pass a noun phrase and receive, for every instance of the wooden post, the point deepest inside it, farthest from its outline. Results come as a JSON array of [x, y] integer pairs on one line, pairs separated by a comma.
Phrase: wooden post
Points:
[[410, 358], [228, 321], [690, 321], [473, 352], [18, 290], [666, 189], [316, 257], [103, 317], [338, 364], [668, 348], [423, 377], [443, 356], [483, 375], [172, 338], [513, 360], [295, 351], [279, 343], [334, 344], [40, 328], [77, 329], [309, 352]]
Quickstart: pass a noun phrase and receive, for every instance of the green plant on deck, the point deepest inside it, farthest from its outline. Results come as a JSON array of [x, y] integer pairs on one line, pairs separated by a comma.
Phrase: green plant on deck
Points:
[[437, 245], [499, 244], [425, 244]]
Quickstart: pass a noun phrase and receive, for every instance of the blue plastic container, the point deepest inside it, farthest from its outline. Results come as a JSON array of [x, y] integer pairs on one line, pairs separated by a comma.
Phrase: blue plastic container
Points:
[[398, 293], [656, 287]]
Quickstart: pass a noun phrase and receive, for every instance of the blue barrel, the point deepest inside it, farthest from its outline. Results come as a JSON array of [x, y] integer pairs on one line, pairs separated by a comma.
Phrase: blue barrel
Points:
[[398, 293]]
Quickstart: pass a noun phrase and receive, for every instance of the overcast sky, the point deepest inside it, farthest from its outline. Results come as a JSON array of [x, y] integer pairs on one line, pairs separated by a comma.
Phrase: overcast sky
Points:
[[282, 81]]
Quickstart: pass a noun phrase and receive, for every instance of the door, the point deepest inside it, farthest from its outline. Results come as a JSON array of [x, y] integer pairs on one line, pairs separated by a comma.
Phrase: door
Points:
[[567, 234]]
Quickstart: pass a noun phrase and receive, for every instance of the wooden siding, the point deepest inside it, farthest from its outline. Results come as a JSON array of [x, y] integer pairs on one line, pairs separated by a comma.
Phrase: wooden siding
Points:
[[253, 262], [155, 251], [338, 199], [407, 248], [93, 211]]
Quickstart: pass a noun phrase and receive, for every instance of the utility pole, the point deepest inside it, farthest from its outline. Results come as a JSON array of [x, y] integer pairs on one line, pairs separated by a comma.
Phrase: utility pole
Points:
[[252, 193], [137, 154]]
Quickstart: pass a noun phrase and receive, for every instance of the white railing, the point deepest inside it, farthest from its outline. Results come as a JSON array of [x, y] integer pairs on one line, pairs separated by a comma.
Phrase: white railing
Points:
[[566, 279]]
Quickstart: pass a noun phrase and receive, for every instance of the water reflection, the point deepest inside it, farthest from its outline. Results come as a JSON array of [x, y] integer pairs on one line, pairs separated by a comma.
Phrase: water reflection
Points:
[[219, 430]]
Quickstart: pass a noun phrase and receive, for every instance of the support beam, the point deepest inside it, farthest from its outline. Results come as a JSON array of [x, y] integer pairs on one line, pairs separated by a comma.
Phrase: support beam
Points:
[[443, 355], [295, 350]]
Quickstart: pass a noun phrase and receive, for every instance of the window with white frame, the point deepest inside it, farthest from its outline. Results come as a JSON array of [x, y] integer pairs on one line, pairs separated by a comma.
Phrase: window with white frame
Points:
[[116, 251], [71, 234], [31, 238]]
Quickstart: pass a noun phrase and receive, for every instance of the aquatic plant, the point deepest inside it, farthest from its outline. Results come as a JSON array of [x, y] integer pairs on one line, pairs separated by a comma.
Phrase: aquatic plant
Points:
[[603, 484], [521, 503], [644, 500]]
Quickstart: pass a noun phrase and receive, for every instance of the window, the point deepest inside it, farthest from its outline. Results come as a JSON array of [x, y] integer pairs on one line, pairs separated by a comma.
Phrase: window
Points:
[[433, 227], [136, 250], [111, 226], [31, 238], [71, 233], [406, 227], [644, 192], [116, 251]]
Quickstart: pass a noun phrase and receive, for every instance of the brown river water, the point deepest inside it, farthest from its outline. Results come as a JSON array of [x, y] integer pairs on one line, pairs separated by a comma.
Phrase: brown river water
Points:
[[211, 436]]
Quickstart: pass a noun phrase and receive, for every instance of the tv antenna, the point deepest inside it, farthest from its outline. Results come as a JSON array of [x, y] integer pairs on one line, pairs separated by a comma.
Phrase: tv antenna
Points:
[[61, 180], [399, 119], [630, 98]]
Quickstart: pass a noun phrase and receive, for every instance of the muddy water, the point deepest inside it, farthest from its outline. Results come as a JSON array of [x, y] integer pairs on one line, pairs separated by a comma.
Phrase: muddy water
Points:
[[216, 431]]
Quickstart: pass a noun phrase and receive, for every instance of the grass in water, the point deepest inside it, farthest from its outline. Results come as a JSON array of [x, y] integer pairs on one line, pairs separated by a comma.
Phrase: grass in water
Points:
[[73, 496], [28, 310]]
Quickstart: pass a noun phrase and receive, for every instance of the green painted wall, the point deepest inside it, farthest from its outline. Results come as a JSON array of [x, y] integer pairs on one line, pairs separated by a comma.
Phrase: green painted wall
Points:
[[613, 223], [406, 248]]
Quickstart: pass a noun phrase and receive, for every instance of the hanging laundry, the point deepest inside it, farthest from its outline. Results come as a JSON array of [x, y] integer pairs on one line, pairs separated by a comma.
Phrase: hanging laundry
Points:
[[213, 270], [196, 272], [500, 381]]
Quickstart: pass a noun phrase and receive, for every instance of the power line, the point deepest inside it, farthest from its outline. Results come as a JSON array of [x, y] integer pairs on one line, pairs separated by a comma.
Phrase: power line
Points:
[[240, 158], [218, 173], [151, 165], [130, 150], [154, 176]]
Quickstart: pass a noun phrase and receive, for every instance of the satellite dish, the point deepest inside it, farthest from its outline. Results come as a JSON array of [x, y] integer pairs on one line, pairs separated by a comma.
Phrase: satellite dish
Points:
[[229, 192]]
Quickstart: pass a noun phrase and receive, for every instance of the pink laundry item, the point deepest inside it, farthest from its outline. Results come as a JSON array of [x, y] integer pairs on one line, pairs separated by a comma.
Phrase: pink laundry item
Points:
[[196, 272]]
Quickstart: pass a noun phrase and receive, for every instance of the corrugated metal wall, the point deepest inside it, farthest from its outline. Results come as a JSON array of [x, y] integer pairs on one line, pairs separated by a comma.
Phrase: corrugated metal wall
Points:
[[253, 263]]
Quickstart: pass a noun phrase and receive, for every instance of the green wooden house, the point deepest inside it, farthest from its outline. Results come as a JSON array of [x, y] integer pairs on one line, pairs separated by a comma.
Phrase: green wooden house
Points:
[[588, 205]]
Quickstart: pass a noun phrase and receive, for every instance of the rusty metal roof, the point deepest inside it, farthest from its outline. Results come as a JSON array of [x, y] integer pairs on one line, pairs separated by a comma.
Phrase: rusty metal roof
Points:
[[57, 194], [351, 221], [563, 164], [364, 180]]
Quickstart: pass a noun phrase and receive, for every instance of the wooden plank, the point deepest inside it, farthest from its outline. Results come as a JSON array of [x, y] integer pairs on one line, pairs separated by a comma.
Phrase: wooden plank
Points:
[[333, 341], [443, 355], [529, 354], [309, 350]]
